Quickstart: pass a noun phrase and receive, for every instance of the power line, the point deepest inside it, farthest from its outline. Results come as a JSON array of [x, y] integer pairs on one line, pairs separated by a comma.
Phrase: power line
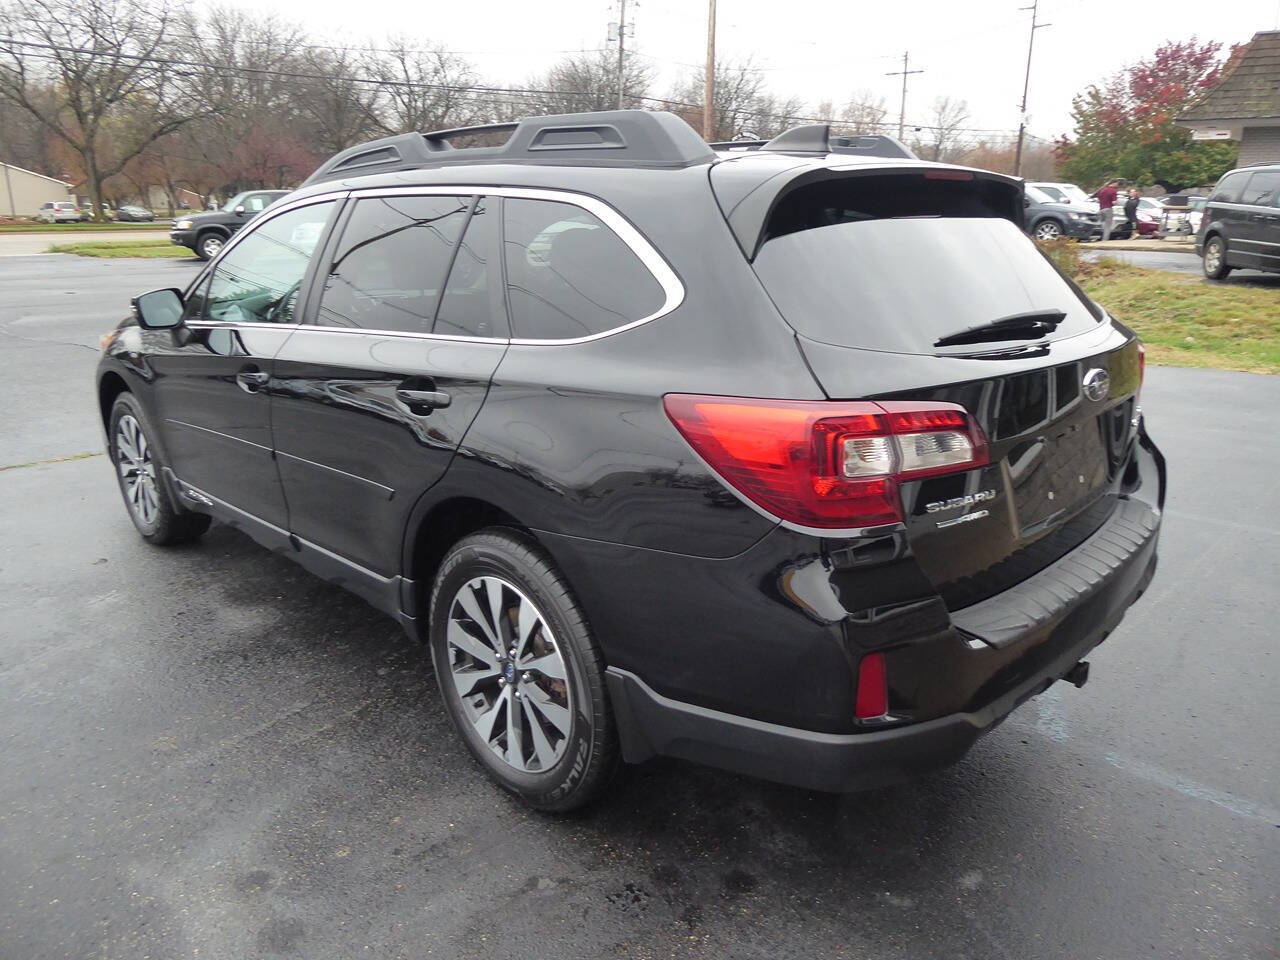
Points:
[[481, 93]]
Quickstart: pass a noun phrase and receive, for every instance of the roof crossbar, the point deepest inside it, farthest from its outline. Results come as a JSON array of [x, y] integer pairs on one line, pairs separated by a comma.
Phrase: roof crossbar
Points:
[[624, 138]]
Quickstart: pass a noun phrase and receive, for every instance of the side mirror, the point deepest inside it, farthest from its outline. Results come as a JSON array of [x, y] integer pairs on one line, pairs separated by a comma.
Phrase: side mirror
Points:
[[1026, 201], [159, 309], [239, 210]]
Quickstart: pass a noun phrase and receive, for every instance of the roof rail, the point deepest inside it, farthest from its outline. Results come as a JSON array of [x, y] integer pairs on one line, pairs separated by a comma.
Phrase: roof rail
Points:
[[737, 144], [623, 138], [816, 138]]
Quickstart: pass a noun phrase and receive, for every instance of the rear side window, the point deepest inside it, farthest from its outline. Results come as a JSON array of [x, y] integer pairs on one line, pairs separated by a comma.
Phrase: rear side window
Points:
[[1229, 187], [569, 275], [391, 263], [869, 264], [1261, 188]]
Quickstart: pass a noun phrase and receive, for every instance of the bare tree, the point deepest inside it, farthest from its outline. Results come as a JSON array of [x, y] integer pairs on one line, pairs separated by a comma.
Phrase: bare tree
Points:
[[100, 77], [589, 81], [946, 118], [425, 88], [865, 113], [742, 105]]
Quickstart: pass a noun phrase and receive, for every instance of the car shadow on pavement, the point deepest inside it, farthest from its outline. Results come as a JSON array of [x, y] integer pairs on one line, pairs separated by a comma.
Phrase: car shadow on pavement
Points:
[[673, 843]]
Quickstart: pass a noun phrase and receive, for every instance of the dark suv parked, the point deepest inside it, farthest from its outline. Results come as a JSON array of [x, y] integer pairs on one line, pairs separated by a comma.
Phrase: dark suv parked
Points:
[[1048, 218], [1240, 226], [206, 233], [806, 466]]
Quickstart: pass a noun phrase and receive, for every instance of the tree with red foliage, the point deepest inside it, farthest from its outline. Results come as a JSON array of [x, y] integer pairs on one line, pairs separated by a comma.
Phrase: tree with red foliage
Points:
[[1125, 127]]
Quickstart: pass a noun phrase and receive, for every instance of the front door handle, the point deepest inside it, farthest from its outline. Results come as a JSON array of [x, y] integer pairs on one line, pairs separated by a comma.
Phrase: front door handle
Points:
[[251, 379], [430, 399]]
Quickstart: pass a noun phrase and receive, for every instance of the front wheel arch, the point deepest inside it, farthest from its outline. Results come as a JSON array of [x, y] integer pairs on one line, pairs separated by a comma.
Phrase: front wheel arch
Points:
[[109, 388]]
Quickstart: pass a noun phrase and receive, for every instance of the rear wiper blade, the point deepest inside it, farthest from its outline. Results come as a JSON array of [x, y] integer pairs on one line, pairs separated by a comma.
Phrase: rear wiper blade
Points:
[[1017, 326]]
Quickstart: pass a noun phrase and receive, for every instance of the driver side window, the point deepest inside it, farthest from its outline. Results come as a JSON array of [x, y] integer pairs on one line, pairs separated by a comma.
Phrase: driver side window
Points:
[[258, 279]]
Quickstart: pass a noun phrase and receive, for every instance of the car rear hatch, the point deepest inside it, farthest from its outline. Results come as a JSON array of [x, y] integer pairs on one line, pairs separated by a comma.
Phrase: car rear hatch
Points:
[[916, 283]]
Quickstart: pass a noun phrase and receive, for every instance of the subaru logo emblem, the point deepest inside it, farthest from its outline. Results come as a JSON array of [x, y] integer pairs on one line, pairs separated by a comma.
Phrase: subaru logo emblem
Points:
[[1097, 384]]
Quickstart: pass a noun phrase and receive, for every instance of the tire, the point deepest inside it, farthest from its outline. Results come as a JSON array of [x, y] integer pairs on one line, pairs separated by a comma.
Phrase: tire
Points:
[[209, 244], [1214, 258], [1047, 230], [555, 681], [138, 465]]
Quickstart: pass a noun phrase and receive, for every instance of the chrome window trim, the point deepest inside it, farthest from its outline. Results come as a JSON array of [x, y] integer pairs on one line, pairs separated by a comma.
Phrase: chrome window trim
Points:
[[316, 328], [672, 289]]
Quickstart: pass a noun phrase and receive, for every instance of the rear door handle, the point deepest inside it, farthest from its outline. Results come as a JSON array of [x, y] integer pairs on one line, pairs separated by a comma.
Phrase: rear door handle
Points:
[[251, 379], [431, 399]]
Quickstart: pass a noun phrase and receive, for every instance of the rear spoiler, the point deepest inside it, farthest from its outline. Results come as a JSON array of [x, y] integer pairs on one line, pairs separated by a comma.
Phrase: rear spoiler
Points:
[[748, 192]]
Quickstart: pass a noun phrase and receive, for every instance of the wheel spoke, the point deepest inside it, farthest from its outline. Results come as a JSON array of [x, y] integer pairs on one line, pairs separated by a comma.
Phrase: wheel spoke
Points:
[[515, 734], [550, 665], [467, 599], [493, 594], [457, 636], [125, 444], [528, 621], [469, 680], [556, 715], [542, 748], [486, 724]]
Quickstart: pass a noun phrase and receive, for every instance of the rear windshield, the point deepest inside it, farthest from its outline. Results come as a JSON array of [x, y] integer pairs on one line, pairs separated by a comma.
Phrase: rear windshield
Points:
[[876, 269]]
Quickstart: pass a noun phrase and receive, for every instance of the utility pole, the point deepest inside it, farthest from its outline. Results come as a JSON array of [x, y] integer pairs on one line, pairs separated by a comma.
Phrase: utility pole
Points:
[[709, 87], [622, 47], [1026, 85], [904, 73]]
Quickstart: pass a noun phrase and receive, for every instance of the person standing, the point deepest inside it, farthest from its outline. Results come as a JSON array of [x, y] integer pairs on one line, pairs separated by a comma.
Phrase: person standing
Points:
[[1106, 201], [1131, 212]]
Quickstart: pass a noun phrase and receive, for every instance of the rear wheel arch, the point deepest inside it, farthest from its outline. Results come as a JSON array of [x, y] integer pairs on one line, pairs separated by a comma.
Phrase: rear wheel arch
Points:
[[433, 533]]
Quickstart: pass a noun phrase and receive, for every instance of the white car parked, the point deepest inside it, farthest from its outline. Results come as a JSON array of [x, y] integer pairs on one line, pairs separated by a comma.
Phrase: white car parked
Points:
[[60, 211]]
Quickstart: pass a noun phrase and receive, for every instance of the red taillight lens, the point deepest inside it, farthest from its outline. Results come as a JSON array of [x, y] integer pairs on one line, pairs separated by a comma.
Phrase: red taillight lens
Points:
[[1142, 364], [823, 464], [873, 688]]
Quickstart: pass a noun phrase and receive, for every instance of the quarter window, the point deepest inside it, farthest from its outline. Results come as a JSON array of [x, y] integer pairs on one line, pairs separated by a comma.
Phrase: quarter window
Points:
[[259, 278], [1261, 189], [391, 263], [569, 275]]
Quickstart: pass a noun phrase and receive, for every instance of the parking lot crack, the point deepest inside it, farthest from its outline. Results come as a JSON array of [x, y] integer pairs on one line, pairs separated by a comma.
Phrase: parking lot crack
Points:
[[44, 463]]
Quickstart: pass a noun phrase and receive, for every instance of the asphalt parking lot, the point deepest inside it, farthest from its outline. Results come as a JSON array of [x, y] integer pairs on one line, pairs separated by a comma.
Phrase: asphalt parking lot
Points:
[[1179, 261], [209, 753]]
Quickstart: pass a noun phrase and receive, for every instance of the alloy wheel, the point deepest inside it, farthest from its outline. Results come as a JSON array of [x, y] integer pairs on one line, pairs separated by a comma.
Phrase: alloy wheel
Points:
[[137, 470], [211, 246], [1048, 231], [509, 674], [1212, 257]]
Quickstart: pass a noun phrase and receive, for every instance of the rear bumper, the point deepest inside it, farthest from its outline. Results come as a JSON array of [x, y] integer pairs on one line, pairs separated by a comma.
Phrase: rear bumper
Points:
[[652, 724], [1001, 652]]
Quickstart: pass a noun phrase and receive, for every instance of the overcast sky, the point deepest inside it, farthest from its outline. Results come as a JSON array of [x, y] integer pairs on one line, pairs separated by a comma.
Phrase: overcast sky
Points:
[[820, 49]]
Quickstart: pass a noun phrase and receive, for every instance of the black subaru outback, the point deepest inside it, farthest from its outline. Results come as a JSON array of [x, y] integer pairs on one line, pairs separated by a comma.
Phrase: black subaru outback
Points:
[[799, 463]]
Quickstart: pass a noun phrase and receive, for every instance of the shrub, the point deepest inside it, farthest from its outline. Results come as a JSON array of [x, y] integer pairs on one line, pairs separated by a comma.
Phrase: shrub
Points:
[[1064, 252]]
